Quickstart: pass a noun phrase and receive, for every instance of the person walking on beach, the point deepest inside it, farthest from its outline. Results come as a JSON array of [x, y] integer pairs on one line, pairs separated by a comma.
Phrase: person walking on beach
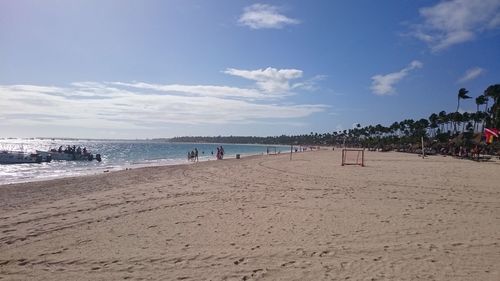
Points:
[[196, 154], [221, 152]]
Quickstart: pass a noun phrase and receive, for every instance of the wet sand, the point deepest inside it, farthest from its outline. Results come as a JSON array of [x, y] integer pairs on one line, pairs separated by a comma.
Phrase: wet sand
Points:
[[260, 218]]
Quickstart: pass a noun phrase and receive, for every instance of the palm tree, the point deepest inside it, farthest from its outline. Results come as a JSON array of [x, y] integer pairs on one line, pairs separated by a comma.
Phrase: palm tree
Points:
[[395, 128], [493, 91], [450, 125], [420, 127], [456, 118], [481, 99], [433, 119], [462, 94], [466, 117], [442, 119]]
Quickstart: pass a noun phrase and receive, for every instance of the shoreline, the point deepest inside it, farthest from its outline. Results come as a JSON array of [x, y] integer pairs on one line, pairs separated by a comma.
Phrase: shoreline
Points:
[[72, 184], [109, 169], [112, 169]]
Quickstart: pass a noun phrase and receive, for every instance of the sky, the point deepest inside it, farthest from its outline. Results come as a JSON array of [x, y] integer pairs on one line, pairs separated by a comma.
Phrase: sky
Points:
[[158, 69]]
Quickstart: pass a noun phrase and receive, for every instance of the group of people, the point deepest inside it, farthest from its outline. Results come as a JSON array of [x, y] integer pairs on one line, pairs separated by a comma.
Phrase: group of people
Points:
[[220, 152], [72, 150], [193, 154], [465, 151]]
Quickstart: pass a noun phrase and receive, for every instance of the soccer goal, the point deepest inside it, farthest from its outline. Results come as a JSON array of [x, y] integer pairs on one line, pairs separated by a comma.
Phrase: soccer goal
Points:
[[271, 150], [353, 156]]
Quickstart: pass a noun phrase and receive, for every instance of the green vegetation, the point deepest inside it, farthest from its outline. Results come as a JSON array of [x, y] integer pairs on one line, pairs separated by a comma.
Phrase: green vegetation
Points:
[[439, 130]]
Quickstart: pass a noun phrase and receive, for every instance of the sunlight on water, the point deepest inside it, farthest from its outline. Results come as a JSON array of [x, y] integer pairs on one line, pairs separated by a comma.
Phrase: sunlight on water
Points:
[[116, 155]]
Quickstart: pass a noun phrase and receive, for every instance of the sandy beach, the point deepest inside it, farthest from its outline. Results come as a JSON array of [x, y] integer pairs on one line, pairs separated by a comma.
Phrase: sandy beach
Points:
[[260, 218]]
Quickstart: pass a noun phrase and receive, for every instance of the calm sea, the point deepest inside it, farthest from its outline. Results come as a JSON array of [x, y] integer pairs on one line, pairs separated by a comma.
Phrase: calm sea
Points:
[[116, 155]]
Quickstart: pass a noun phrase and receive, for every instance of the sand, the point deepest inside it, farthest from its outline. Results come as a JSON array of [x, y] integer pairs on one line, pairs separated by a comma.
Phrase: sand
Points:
[[260, 218]]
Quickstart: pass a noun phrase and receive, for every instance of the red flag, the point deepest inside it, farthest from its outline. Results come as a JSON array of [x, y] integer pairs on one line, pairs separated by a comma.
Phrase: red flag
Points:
[[490, 133]]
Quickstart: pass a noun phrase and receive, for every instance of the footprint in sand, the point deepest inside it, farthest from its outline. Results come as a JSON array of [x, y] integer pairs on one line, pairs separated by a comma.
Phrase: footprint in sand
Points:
[[22, 262], [239, 261], [288, 263], [324, 253]]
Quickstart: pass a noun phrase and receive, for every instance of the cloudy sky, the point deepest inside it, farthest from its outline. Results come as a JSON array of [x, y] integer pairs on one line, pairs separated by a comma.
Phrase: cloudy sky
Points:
[[149, 69]]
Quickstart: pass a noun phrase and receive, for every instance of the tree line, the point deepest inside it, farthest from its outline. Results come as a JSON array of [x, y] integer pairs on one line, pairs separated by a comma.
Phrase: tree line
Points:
[[439, 127]]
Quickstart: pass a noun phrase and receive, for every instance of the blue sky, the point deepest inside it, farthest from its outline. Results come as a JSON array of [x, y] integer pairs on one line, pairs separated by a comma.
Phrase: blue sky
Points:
[[149, 69]]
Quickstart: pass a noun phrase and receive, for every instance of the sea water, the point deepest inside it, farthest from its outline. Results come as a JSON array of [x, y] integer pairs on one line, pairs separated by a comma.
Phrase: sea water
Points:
[[116, 155]]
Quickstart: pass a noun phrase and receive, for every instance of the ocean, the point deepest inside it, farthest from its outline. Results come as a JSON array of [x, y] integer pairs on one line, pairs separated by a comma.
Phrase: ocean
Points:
[[116, 155]]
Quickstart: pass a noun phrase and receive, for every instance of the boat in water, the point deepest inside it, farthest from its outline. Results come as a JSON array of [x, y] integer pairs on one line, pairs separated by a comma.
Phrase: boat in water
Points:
[[69, 156], [21, 157]]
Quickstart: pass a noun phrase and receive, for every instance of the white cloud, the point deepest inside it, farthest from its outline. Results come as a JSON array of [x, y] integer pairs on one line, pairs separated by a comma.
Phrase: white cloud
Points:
[[119, 105], [384, 84], [271, 83], [258, 16], [310, 84], [457, 21], [495, 22], [198, 90], [270, 80], [471, 74], [33, 88]]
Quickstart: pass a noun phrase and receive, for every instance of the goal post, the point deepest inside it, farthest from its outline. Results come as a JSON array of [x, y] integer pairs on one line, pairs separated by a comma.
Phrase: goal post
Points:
[[271, 150], [353, 156]]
